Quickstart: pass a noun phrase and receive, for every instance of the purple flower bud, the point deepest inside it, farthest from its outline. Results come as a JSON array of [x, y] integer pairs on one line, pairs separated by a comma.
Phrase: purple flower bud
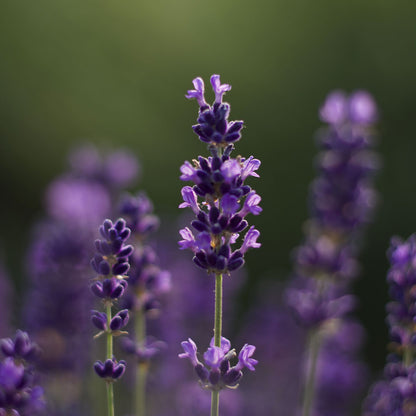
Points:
[[110, 369], [109, 288], [99, 319], [20, 348], [334, 111], [119, 320]]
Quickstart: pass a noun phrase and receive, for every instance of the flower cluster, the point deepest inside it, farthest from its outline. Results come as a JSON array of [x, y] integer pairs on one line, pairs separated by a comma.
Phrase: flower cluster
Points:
[[147, 281], [342, 200], [397, 393], [111, 263], [19, 396], [219, 182], [220, 374]]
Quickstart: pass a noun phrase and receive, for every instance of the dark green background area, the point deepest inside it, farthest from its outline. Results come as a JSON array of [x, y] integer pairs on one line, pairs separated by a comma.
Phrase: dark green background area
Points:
[[115, 73]]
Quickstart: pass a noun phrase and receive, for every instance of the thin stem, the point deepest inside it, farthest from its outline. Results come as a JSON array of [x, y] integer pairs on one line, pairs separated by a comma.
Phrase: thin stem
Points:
[[408, 356], [218, 310], [313, 352], [215, 396], [110, 389], [215, 402], [110, 398], [141, 372]]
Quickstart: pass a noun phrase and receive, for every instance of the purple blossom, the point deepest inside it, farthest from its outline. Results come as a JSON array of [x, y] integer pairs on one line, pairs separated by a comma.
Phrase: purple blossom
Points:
[[18, 394], [249, 168], [250, 240], [219, 89], [362, 108], [190, 349], [220, 375], [198, 92], [188, 241], [145, 352], [190, 199], [244, 358]]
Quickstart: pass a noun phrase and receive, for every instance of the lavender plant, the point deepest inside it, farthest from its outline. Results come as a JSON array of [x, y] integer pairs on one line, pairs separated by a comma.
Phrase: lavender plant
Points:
[[19, 395], [111, 264], [342, 200], [220, 201], [147, 283], [396, 393]]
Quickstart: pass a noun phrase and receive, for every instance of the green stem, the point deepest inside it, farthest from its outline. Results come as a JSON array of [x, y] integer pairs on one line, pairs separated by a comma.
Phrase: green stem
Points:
[[141, 373], [215, 396], [218, 310], [215, 402], [408, 356], [110, 389], [309, 391], [110, 398]]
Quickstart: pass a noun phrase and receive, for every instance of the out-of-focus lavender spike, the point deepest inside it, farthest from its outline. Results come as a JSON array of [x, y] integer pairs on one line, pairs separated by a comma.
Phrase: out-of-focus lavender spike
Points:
[[78, 201], [19, 395], [396, 393], [58, 306], [342, 202], [114, 169]]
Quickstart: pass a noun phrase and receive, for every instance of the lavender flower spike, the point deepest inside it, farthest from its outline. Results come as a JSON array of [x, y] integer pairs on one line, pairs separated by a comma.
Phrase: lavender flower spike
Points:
[[111, 263], [396, 394], [220, 200], [342, 201]]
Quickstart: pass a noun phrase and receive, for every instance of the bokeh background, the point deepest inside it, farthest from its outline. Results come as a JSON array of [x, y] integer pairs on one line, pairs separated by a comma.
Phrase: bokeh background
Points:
[[114, 73]]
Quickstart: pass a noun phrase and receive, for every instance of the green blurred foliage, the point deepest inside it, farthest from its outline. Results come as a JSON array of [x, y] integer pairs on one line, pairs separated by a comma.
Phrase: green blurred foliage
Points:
[[115, 73]]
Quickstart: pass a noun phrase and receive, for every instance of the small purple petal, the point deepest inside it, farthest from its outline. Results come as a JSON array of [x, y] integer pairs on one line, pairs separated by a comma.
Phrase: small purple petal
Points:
[[219, 89]]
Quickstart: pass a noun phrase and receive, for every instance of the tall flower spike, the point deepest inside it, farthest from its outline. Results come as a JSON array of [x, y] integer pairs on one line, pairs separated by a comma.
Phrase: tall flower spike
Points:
[[396, 394], [18, 394], [111, 263], [342, 201], [148, 283], [220, 201]]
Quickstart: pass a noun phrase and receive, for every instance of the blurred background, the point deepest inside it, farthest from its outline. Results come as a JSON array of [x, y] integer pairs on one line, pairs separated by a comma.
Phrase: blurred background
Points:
[[115, 73]]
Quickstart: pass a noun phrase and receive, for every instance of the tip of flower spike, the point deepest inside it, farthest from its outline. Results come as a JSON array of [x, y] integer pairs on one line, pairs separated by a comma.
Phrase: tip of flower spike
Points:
[[362, 108], [198, 92], [219, 89]]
